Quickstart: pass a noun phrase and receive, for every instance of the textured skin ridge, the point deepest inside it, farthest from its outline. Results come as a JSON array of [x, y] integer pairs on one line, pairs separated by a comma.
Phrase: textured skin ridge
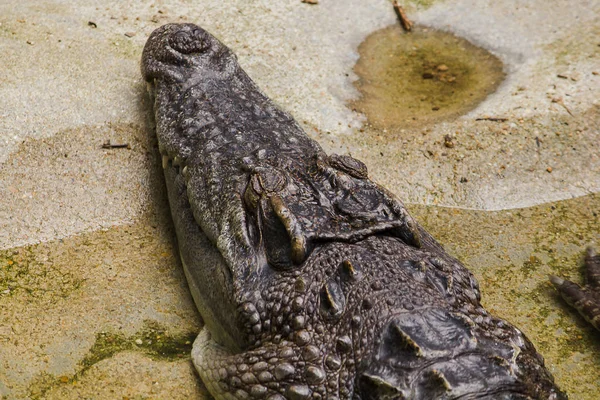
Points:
[[314, 282]]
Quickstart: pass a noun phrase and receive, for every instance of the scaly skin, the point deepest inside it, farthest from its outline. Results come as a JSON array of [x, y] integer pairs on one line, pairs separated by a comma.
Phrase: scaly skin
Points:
[[585, 300], [314, 282]]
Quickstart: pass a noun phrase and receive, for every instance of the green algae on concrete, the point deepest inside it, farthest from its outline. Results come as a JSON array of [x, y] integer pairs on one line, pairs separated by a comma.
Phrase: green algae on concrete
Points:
[[154, 340], [91, 298], [129, 375], [31, 274], [422, 76], [511, 253]]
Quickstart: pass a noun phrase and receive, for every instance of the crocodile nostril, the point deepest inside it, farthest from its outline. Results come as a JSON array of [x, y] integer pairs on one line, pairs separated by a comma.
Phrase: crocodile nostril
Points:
[[188, 41]]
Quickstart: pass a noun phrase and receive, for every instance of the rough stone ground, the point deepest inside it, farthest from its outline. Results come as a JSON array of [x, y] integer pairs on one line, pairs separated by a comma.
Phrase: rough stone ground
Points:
[[93, 302]]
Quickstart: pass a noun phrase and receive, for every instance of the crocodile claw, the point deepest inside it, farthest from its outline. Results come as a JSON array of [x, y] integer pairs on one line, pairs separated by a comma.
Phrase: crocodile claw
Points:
[[585, 299]]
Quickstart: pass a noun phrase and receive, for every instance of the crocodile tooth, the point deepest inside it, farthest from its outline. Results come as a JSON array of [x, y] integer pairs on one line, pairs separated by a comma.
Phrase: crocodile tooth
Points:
[[184, 172], [176, 161], [377, 387], [433, 385], [165, 161], [439, 264], [350, 271], [409, 231], [412, 237], [298, 249], [298, 241], [402, 340], [333, 301]]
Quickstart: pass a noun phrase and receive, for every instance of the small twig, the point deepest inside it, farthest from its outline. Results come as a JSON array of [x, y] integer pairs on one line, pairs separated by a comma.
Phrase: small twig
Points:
[[559, 100], [109, 145], [404, 21], [493, 119]]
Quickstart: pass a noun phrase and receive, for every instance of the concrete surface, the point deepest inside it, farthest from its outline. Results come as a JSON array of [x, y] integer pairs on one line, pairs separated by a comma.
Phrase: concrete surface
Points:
[[93, 302]]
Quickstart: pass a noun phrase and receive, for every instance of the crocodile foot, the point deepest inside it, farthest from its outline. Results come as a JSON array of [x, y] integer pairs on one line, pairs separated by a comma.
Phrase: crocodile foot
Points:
[[587, 299]]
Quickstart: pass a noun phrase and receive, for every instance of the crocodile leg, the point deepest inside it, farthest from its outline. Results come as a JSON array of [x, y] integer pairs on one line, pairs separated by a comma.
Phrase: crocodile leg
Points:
[[587, 299], [270, 371]]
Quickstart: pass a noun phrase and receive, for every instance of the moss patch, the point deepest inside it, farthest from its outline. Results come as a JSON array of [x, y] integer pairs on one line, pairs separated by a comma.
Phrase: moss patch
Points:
[[153, 340], [30, 273]]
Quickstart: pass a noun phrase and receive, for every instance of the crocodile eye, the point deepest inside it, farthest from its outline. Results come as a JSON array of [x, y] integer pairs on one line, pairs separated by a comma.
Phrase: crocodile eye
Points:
[[188, 41]]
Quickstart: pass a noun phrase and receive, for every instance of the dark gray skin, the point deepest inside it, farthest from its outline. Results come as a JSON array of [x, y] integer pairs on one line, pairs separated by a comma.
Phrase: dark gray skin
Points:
[[314, 282]]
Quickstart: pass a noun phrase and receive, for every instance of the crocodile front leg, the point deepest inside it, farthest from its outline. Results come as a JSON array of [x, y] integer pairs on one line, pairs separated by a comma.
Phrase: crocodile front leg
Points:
[[587, 299], [270, 371]]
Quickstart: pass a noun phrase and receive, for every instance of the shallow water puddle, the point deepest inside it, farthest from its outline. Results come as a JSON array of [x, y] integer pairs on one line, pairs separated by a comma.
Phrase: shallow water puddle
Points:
[[421, 77]]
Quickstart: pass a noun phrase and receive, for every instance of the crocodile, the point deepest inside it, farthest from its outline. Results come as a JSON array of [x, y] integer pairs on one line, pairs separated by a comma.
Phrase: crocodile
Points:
[[313, 281]]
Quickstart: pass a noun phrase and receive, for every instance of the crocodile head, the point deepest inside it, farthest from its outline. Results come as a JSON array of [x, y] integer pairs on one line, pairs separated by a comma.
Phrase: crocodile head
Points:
[[314, 281]]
